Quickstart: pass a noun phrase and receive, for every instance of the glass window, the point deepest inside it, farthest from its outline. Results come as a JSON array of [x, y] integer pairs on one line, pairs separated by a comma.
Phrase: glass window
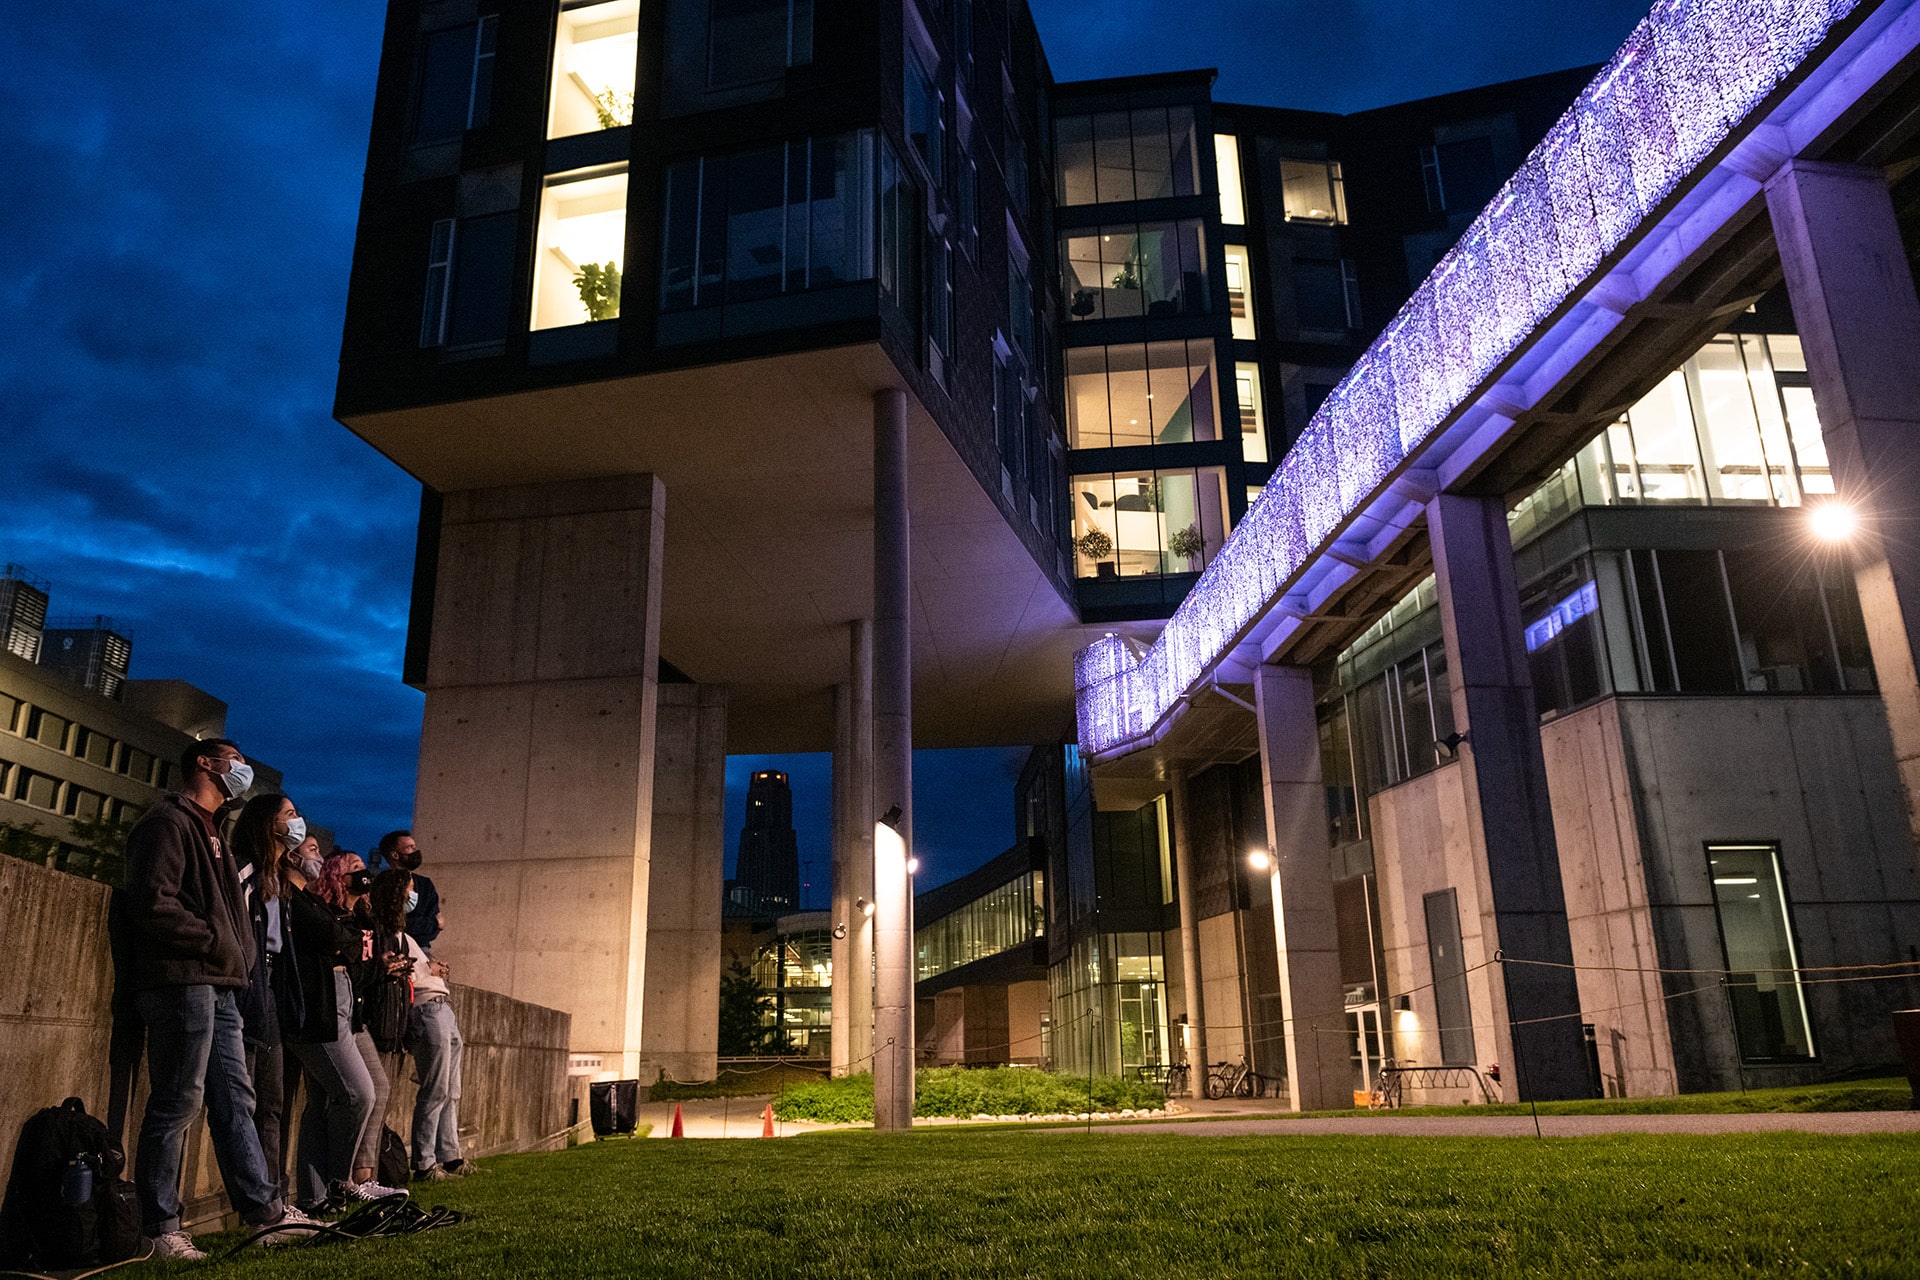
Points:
[[136, 764], [926, 120], [95, 748], [1073, 156], [595, 51], [1763, 985], [1321, 293], [1240, 291], [1144, 154], [1665, 453], [1313, 191], [1226, 159], [482, 279], [940, 316], [1461, 175], [1156, 393], [1019, 306], [1735, 464], [1566, 649], [751, 41], [581, 246], [1253, 421], [456, 81], [9, 712], [433, 307], [48, 729], [1142, 523], [1154, 269]]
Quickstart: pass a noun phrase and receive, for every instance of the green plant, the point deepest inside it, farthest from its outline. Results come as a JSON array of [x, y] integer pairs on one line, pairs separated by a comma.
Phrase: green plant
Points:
[[1094, 544], [744, 1006], [1186, 543], [599, 287], [613, 107], [965, 1092], [26, 843], [1127, 278]]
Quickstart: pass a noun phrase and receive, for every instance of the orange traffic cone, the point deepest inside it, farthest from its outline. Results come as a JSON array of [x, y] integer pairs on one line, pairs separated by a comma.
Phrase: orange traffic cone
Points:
[[679, 1130], [766, 1122]]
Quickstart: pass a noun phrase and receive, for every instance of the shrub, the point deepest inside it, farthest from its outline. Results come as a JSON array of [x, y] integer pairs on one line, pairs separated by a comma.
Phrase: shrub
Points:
[[964, 1092]]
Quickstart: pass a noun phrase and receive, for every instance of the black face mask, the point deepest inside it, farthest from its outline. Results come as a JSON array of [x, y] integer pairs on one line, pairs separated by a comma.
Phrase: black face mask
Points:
[[360, 882]]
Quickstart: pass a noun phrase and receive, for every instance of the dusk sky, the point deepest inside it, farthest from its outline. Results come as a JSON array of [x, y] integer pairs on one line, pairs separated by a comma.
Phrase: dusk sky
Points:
[[186, 178]]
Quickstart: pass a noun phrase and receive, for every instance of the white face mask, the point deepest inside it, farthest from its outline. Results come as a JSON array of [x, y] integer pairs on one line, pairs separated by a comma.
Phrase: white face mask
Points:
[[413, 899], [296, 833], [310, 867], [236, 779]]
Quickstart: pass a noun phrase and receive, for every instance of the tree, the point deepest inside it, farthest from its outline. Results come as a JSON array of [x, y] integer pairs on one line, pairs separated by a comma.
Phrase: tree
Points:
[[744, 1006]]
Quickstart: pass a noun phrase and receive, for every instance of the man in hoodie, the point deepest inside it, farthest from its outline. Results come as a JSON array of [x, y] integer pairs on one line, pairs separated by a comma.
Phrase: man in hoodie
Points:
[[189, 945]]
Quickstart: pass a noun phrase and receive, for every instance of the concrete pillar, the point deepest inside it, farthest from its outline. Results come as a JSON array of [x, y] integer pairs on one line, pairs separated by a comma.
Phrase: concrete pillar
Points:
[[680, 1022], [1522, 901], [1191, 977], [853, 858], [1859, 320], [535, 798], [1319, 1073], [893, 1037]]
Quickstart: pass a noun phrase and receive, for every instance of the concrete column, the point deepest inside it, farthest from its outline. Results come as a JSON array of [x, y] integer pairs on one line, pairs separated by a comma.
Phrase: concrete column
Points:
[[1190, 975], [853, 859], [1859, 320], [893, 1037], [1306, 938], [1522, 901], [535, 798], [680, 1023]]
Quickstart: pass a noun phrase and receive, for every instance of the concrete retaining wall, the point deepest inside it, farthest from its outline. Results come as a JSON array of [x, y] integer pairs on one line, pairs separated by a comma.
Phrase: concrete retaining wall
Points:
[[56, 980]]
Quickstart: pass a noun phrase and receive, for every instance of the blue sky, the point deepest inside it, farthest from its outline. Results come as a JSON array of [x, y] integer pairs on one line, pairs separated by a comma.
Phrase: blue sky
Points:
[[173, 268]]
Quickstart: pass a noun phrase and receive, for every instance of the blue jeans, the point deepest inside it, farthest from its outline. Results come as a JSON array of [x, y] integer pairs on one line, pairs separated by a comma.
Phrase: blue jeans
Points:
[[436, 1046], [339, 1104], [195, 1053]]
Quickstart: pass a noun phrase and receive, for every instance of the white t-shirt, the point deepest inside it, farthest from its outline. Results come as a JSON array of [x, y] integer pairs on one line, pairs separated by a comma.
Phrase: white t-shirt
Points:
[[424, 982]]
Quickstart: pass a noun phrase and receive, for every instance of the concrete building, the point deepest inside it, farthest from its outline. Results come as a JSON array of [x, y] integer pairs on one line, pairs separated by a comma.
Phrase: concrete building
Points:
[[844, 376], [766, 865]]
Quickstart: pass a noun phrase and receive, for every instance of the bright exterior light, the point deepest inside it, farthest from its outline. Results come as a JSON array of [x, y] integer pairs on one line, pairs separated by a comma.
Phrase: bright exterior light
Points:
[[866, 908], [1833, 521], [1736, 880], [1260, 860], [1686, 78], [913, 866]]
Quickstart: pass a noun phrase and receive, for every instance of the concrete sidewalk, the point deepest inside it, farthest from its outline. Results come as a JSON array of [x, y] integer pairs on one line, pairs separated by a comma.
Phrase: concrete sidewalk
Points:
[[1410, 1126]]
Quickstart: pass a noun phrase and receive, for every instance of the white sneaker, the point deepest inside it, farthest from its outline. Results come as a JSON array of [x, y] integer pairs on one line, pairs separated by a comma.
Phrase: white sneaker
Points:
[[373, 1191], [177, 1246], [290, 1217]]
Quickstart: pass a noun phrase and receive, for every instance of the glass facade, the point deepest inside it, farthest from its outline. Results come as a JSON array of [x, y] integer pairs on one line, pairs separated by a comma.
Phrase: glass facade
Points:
[[784, 219], [1240, 292], [752, 41], [997, 921], [581, 248], [1145, 154], [1253, 416], [1144, 269], [595, 51], [796, 969], [1763, 983], [1141, 393], [1226, 160], [1134, 523], [1110, 1005], [1313, 191]]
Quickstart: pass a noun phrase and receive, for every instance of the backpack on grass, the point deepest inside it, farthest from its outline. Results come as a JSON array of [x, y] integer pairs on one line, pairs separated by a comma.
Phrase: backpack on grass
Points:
[[395, 1170], [66, 1205]]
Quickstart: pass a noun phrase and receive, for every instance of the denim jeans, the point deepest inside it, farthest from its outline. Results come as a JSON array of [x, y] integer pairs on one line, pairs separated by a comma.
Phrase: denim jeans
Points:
[[339, 1103], [368, 1154], [195, 1053], [436, 1045], [266, 1066]]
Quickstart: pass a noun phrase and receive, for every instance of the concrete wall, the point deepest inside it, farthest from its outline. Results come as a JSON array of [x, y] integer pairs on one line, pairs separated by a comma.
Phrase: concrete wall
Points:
[[56, 981]]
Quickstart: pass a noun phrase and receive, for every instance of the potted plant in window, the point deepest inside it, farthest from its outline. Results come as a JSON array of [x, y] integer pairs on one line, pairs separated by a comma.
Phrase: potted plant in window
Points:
[[1096, 546], [599, 286], [1187, 544], [613, 107]]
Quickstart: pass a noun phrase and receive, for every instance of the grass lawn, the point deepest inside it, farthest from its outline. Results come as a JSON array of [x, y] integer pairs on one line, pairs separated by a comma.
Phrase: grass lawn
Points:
[[1888, 1094], [958, 1203]]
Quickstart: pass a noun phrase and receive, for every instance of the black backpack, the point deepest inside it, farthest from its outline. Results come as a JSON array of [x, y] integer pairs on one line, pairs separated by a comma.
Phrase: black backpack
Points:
[[394, 1169], [66, 1205]]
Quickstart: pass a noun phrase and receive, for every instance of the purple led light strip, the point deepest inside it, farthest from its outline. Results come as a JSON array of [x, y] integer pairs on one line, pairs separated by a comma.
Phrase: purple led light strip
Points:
[[1674, 93]]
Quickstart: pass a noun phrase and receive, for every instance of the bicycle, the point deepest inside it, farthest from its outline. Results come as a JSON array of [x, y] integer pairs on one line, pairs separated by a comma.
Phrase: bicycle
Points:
[[1230, 1079]]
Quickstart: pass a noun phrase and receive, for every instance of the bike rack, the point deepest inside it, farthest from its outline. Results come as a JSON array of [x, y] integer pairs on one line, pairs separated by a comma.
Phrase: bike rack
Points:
[[1393, 1081]]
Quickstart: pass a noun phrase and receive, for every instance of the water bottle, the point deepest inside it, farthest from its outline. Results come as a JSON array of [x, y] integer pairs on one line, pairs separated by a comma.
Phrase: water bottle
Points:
[[76, 1184]]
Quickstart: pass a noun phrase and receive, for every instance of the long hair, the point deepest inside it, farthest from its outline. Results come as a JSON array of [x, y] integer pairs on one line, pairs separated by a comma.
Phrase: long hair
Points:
[[255, 841], [331, 887], [389, 899]]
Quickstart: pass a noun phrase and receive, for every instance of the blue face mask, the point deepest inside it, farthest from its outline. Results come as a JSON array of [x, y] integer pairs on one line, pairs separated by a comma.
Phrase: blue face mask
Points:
[[413, 899]]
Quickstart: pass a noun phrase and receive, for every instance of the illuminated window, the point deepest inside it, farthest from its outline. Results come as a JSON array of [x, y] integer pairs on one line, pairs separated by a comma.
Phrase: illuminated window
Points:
[[1144, 154], [1763, 982], [1151, 393], [1240, 291], [595, 52], [581, 248], [1253, 422], [1150, 269], [1313, 191], [1226, 157], [1141, 523]]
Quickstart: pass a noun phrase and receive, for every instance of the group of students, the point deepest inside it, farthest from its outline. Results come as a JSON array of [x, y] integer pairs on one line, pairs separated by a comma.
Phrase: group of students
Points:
[[244, 961]]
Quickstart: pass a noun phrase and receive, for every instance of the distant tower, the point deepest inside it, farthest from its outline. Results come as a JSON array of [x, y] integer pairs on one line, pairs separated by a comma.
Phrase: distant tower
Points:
[[768, 868], [91, 652], [23, 612]]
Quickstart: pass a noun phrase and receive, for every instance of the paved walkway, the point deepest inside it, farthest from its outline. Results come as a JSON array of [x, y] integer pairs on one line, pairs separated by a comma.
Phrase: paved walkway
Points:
[[744, 1117]]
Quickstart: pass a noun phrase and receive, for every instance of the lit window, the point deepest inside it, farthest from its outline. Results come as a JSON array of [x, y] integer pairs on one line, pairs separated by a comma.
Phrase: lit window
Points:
[[1140, 523], [1144, 154], [1253, 425], [1151, 269], [1152, 393], [1313, 191], [581, 248], [1226, 155], [1240, 291], [1763, 983], [595, 52]]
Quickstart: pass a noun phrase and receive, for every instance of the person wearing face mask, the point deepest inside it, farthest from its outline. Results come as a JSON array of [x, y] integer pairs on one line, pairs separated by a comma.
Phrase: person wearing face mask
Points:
[[342, 1090], [399, 849], [268, 830], [190, 951], [345, 883]]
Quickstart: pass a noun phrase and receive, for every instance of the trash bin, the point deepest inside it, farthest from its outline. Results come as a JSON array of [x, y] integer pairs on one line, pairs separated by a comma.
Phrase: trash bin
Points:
[[1906, 1031], [615, 1106]]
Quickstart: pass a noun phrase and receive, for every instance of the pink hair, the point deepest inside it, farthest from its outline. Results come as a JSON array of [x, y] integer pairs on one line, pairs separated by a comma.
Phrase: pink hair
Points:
[[332, 884]]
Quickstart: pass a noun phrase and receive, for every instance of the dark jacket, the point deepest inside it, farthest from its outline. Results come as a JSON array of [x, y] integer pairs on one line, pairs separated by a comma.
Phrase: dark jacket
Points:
[[187, 918], [320, 938], [269, 985], [423, 922]]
